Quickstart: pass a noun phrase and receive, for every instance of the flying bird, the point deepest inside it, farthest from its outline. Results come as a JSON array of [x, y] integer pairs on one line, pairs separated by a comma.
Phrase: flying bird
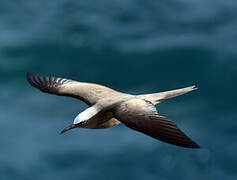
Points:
[[109, 107]]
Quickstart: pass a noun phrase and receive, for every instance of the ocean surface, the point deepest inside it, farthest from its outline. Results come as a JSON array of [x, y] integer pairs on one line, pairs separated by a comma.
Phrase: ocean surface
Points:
[[135, 46]]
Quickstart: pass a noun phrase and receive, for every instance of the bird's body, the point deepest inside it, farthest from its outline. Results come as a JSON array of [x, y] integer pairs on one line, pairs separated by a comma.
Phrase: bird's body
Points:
[[109, 107]]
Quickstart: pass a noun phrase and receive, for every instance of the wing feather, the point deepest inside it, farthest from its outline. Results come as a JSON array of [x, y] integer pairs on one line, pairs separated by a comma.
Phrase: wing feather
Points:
[[88, 92], [161, 128], [143, 117]]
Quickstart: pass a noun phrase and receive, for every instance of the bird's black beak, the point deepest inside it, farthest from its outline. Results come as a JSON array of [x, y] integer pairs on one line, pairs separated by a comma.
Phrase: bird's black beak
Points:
[[68, 128]]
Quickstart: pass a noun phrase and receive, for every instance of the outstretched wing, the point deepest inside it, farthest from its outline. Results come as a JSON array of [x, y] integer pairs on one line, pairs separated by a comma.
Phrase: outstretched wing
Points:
[[88, 92], [161, 128], [156, 98], [149, 122]]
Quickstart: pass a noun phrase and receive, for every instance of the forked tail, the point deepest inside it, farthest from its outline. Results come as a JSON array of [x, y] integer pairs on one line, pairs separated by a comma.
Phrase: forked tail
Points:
[[156, 98]]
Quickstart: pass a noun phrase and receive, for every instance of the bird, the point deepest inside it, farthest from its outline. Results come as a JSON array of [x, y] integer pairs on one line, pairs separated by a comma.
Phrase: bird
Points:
[[109, 107]]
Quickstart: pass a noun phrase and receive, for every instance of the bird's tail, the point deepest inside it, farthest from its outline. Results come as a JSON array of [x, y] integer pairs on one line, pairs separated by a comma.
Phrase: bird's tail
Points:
[[156, 98]]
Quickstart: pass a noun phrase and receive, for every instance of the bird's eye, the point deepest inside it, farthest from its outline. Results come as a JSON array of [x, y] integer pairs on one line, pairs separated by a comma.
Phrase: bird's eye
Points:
[[149, 102]]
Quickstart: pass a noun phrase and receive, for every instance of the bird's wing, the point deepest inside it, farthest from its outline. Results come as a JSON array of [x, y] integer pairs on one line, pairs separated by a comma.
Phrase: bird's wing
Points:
[[156, 98], [88, 92], [149, 122]]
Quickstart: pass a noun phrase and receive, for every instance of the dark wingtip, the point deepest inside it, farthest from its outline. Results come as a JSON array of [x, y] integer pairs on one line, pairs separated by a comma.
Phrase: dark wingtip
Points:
[[194, 146], [28, 75], [190, 145], [38, 81], [31, 78]]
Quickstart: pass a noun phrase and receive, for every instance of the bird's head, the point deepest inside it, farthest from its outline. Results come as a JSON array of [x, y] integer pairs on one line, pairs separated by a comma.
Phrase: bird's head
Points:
[[79, 121]]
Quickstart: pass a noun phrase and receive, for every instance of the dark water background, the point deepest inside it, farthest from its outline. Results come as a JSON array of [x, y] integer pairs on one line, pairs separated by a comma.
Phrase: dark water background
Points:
[[136, 46]]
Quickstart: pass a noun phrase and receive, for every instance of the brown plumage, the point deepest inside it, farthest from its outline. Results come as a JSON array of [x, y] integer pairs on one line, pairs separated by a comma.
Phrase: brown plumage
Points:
[[109, 107]]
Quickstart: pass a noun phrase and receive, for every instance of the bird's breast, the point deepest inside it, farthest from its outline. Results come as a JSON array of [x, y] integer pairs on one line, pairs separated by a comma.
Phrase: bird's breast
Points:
[[98, 121]]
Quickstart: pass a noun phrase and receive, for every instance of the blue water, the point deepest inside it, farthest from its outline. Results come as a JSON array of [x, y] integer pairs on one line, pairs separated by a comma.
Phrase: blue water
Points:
[[133, 46]]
